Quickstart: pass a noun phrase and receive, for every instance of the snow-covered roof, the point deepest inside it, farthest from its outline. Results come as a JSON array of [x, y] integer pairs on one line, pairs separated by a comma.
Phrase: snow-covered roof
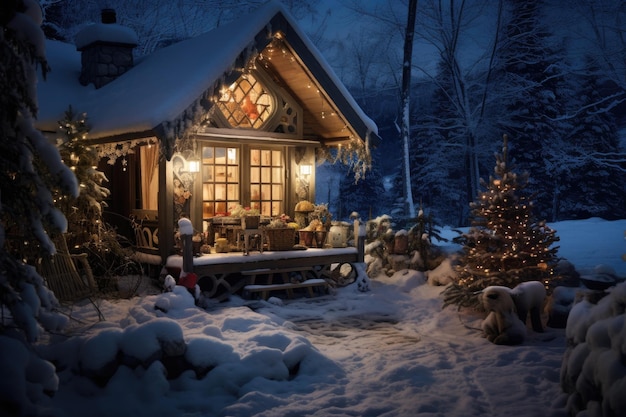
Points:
[[162, 89]]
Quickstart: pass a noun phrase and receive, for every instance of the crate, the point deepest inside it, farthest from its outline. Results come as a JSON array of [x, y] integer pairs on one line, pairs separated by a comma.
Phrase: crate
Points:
[[280, 238]]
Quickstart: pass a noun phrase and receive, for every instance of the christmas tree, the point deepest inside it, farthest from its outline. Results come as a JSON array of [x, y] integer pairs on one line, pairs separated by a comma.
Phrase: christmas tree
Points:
[[505, 245], [83, 213]]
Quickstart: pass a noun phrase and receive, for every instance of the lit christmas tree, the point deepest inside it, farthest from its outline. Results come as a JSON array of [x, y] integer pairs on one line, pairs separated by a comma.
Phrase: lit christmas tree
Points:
[[506, 245], [83, 213]]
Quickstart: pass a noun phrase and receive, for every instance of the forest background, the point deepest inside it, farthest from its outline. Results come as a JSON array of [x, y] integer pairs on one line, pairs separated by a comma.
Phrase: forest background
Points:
[[551, 76]]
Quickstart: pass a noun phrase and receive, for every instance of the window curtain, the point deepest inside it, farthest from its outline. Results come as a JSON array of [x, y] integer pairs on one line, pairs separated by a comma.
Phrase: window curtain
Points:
[[149, 177]]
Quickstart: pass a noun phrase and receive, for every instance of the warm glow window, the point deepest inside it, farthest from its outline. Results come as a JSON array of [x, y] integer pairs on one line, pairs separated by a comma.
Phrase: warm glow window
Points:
[[246, 103], [267, 173], [220, 180]]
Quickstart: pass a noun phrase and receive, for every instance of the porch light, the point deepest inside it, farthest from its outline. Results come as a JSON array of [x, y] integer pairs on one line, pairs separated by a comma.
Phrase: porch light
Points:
[[194, 166], [305, 169]]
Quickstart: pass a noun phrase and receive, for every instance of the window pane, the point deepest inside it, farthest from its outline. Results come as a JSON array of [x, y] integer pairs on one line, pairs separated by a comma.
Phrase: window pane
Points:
[[207, 172], [220, 191], [220, 155], [266, 158], [255, 157], [265, 175], [207, 210], [233, 156], [233, 174], [233, 192], [208, 192], [277, 158], [277, 175], [266, 191], [255, 175], [208, 156], [220, 208], [277, 192], [255, 192]]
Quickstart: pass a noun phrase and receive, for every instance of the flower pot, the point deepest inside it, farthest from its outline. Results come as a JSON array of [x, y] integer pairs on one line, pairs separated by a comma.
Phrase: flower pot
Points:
[[338, 236], [320, 238], [221, 245], [250, 222], [306, 237]]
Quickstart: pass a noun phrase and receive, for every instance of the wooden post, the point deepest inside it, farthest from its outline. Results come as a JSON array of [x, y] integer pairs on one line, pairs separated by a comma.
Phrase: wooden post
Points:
[[186, 234], [359, 233], [166, 209]]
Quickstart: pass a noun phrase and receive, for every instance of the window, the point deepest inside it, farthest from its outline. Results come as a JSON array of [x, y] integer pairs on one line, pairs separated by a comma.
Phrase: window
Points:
[[220, 180], [246, 103], [267, 173]]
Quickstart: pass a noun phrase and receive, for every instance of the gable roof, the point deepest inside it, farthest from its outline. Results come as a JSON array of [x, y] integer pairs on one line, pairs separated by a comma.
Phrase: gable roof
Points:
[[167, 92]]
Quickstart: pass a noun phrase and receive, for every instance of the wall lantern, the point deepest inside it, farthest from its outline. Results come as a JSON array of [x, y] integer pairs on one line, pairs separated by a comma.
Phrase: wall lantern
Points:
[[194, 166], [305, 169]]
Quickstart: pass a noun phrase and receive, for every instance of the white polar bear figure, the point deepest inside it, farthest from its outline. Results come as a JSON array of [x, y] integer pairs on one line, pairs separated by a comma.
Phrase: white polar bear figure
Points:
[[529, 298], [502, 326]]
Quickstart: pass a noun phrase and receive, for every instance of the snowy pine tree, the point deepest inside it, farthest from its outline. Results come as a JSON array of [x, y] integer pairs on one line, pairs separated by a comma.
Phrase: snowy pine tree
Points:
[[83, 213], [530, 77], [27, 211], [506, 245], [594, 178], [367, 196]]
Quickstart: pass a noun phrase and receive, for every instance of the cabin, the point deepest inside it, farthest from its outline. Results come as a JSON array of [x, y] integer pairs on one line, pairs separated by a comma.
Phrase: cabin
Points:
[[235, 116]]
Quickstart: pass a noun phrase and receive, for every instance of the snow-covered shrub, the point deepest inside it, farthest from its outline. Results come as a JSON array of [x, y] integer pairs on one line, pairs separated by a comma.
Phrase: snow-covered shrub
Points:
[[388, 250], [444, 274], [593, 372], [26, 380]]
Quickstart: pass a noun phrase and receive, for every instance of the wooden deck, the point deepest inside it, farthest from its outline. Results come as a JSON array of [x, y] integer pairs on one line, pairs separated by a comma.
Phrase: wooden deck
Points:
[[222, 274]]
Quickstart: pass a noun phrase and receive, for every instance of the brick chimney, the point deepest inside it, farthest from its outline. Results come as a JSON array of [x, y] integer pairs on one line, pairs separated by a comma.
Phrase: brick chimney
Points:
[[106, 50]]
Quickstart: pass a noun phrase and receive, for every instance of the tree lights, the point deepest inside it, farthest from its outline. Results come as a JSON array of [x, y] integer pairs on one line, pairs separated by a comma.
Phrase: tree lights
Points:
[[506, 245]]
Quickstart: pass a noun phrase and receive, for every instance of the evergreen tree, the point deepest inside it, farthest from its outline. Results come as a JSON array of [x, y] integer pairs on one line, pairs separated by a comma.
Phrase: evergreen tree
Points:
[[506, 245], [530, 78], [83, 213], [594, 184], [366, 197], [30, 166], [439, 170]]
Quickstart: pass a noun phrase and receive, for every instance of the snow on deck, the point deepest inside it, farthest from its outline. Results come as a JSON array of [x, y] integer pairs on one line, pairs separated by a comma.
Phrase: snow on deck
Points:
[[176, 261]]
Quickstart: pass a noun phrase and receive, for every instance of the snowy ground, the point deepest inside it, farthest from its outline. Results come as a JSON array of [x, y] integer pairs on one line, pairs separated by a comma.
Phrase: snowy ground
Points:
[[391, 351]]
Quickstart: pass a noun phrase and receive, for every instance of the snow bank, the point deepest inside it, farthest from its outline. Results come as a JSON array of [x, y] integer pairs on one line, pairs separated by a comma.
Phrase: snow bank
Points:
[[593, 373]]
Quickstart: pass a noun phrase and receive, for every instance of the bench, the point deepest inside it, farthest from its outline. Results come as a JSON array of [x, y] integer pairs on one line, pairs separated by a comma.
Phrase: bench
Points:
[[284, 285]]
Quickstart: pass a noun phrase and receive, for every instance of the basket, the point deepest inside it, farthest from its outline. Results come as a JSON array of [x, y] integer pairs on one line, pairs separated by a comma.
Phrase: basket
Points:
[[280, 239]]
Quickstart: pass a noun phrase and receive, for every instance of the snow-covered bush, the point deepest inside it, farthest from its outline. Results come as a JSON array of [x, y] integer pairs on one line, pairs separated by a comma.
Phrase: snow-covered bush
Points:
[[388, 250], [593, 372]]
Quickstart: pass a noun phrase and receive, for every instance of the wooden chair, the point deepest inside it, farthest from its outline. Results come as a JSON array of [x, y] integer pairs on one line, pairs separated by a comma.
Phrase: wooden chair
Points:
[[69, 275], [147, 245]]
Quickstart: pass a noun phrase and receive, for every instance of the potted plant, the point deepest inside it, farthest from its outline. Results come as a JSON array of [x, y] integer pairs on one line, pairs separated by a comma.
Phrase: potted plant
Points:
[[250, 217]]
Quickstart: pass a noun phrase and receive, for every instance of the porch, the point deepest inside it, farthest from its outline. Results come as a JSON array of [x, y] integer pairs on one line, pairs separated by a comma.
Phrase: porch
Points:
[[223, 274]]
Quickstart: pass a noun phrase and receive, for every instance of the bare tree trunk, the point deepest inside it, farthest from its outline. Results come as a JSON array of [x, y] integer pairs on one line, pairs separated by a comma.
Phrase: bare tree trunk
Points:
[[406, 99]]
